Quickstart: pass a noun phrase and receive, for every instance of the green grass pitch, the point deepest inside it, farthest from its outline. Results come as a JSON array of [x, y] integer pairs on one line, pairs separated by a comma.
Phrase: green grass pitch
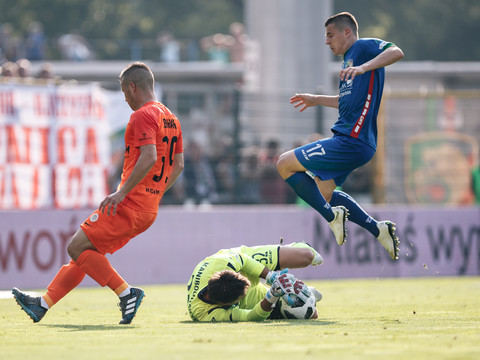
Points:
[[419, 318]]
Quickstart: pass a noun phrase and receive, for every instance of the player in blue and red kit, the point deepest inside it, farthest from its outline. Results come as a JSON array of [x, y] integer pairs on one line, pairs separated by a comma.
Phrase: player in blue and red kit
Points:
[[315, 170]]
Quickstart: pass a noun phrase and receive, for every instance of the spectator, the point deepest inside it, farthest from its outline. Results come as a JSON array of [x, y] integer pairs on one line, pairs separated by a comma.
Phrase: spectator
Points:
[[270, 154], [74, 47], [199, 180], [224, 170], [35, 42], [192, 50], [273, 191], [169, 47], [9, 43], [10, 69], [216, 47], [249, 184], [23, 68], [237, 47], [46, 72]]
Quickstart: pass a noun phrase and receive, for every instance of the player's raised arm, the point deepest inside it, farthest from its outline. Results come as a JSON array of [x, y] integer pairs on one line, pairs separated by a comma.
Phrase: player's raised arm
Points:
[[389, 56]]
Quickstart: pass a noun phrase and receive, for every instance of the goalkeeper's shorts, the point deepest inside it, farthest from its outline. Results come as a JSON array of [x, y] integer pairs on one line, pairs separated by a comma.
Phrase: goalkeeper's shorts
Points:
[[109, 233]]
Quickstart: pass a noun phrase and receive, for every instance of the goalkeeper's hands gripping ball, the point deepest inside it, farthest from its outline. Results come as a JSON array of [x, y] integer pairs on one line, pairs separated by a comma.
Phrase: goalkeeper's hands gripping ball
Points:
[[282, 286], [272, 275], [301, 291]]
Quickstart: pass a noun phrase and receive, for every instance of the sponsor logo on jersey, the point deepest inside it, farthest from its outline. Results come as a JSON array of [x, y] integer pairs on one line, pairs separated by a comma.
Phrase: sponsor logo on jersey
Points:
[[346, 86], [152, 191], [144, 137], [348, 63]]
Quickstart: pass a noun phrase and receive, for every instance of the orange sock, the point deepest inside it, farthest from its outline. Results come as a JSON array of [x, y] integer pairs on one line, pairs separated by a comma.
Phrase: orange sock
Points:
[[99, 269], [67, 278]]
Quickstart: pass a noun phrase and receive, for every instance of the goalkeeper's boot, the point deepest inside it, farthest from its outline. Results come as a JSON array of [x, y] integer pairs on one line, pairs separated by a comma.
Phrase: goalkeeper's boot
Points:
[[317, 260], [316, 293], [129, 304], [388, 238], [338, 224], [31, 305]]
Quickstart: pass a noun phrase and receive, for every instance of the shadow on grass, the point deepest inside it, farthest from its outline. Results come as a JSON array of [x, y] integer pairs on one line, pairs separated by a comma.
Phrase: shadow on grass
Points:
[[73, 327], [280, 322]]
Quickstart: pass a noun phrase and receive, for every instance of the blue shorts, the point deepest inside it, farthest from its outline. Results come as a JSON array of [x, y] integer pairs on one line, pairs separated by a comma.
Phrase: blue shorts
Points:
[[335, 157]]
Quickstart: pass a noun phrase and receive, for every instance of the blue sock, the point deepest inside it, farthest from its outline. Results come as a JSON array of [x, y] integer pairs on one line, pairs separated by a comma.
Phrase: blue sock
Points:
[[306, 188], [357, 214]]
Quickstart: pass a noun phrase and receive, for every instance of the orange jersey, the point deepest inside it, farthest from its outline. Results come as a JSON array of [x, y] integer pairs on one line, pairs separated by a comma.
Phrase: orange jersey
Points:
[[154, 124]]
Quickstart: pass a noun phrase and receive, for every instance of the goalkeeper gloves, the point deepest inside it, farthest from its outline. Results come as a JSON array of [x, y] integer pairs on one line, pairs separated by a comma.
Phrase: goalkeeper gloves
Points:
[[301, 291], [272, 275], [282, 286]]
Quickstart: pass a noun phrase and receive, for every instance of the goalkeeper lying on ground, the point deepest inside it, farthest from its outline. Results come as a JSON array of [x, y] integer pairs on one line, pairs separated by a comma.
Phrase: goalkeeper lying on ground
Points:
[[226, 286]]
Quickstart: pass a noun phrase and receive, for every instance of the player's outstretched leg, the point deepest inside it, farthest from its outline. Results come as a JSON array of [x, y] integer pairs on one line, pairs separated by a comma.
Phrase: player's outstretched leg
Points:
[[388, 238], [31, 305], [129, 304], [316, 260], [338, 224]]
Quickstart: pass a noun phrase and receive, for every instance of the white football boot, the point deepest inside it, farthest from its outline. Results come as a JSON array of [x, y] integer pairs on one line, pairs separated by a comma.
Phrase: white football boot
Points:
[[338, 224], [388, 238]]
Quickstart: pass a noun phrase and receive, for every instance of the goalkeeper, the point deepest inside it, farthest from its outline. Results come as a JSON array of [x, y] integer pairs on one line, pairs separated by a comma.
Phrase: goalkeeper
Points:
[[226, 286]]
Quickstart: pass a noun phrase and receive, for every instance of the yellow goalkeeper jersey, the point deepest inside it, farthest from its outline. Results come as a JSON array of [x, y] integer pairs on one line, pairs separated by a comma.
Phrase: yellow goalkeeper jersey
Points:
[[250, 262]]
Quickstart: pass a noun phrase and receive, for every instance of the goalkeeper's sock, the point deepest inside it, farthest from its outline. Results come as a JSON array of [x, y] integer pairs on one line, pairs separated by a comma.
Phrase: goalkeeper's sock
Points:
[[67, 278], [99, 269], [317, 258], [356, 213], [306, 188]]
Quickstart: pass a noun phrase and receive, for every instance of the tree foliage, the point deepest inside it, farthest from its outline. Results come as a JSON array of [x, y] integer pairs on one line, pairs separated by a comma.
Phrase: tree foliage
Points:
[[122, 20], [424, 29], [443, 30]]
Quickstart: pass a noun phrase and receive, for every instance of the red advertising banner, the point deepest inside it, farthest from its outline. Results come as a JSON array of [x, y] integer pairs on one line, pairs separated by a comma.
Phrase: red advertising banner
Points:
[[54, 146]]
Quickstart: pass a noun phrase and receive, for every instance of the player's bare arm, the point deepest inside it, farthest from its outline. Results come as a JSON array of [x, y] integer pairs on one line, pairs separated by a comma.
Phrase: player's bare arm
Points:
[[391, 55], [178, 165], [146, 160], [306, 100]]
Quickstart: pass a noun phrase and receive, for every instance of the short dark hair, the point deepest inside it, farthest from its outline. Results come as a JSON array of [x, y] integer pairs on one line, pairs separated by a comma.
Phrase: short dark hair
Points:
[[227, 286], [343, 20], [138, 73]]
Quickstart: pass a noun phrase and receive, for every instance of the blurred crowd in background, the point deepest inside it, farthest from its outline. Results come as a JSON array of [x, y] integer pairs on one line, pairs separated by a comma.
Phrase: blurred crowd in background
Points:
[[217, 175], [214, 174], [17, 51]]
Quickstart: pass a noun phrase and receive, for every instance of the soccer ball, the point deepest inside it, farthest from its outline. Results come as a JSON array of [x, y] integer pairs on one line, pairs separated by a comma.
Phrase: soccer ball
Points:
[[300, 309]]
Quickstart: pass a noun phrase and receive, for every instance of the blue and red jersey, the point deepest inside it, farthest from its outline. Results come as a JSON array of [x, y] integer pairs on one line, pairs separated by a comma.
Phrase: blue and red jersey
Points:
[[360, 98]]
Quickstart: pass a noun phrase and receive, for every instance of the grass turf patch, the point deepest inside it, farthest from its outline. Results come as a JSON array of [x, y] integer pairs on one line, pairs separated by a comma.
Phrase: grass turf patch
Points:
[[418, 318]]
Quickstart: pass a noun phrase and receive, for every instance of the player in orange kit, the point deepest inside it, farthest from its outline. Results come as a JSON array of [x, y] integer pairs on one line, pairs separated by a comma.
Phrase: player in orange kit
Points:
[[153, 161]]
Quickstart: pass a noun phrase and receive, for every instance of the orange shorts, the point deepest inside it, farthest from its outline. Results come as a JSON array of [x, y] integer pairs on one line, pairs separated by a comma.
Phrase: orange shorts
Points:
[[110, 233]]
